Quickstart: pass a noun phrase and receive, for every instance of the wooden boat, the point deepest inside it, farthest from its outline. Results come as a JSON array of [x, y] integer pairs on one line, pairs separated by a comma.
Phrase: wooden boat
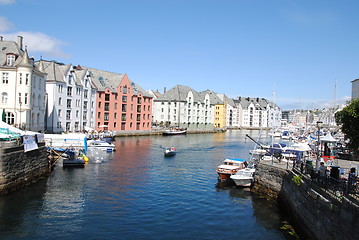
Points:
[[170, 152], [230, 167], [169, 132]]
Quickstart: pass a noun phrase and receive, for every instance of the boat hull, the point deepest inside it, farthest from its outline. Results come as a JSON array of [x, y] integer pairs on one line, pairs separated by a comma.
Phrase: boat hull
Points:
[[73, 163], [172, 132], [243, 182]]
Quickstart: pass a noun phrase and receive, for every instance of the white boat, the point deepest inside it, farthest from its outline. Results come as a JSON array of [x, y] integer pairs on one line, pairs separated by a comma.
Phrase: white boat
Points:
[[99, 144], [230, 167], [244, 177], [170, 152], [169, 132]]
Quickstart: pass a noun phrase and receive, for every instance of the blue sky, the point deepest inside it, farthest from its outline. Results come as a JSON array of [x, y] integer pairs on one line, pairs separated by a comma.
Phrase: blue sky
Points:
[[304, 51]]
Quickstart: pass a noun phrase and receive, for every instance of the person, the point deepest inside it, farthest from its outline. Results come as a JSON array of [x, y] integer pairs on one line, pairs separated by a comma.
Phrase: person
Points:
[[322, 171]]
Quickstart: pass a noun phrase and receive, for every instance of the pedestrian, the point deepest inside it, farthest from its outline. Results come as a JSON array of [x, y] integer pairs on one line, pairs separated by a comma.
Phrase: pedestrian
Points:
[[322, 171]]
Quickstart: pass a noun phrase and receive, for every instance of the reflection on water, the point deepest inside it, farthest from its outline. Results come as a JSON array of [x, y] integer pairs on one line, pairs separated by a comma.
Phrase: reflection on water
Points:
[[137, 193]]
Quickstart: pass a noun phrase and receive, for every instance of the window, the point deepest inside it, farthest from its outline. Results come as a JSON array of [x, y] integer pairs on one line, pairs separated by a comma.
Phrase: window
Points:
[[99, 115], [77, 113], [27, 79], [85, 104], [60, 88], [70, 81], [9, 118], [26, 97], [84, 116], [10, 59], [124, 98], [20, 78], [58, 125], [69, 91], [68, 115], [124, 107], [115, 105], [107, 97], [99, 104], [78, 91], [59, 113], [5, 78], [68, 103], [107, 106], [123, 117], [4, 97], [60, 101], [86, 93], [20, 98], [105, 116], [125, 89], [115, 115], [139, 100]]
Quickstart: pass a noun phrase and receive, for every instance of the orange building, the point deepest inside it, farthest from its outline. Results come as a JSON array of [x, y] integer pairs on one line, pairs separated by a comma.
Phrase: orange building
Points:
[[122, 105]]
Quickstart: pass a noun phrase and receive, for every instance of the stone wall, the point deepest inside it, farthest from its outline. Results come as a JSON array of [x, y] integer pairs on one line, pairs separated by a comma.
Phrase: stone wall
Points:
[[19, 168], [316, 213]]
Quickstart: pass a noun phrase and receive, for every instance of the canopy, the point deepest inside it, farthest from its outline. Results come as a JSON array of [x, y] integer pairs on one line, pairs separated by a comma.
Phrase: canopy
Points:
[[328, 138]]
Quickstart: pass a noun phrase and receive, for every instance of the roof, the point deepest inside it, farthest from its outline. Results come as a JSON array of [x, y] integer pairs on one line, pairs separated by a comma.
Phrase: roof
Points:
[[179, 93], [105, 79], [11, 47], [213, 97]]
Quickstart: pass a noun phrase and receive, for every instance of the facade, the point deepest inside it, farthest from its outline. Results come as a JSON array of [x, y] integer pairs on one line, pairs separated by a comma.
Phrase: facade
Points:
[[183, 107], [258, 113], [355, 89], [121, 104], [23, 87], [71, 97]]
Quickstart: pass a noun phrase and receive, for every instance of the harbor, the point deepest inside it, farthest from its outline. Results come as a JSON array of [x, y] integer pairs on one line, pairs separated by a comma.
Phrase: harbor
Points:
[[135, 192]]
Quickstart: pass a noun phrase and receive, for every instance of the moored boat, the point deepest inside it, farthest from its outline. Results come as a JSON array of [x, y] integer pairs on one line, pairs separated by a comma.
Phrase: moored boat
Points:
[[244, 177], [169, 132], [230, 167], [99, 144]]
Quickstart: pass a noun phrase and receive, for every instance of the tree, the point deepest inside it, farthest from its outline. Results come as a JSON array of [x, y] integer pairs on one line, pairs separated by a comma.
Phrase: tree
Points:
[[348, 119]]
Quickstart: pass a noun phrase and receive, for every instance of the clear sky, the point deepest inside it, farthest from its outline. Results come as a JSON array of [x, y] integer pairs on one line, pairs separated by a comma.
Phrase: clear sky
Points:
[[297, 53]]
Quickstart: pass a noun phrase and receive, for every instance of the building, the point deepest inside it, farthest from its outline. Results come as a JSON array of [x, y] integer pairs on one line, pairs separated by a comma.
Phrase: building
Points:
[[355, 89], [121, 104], [23, 87], [183, 107], [71, 97]]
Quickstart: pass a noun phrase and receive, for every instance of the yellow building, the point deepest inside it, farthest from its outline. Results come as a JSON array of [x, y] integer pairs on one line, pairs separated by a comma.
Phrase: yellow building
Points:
[[220, 115]]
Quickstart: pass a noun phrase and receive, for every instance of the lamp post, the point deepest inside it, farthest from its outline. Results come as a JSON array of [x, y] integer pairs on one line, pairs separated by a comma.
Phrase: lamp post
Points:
[[319, 125], [20, 103]]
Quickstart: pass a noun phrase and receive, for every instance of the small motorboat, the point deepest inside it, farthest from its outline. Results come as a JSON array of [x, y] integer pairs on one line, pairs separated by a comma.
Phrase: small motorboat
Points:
[[69, 160], [244, 177], [170, 152], [100, 144]]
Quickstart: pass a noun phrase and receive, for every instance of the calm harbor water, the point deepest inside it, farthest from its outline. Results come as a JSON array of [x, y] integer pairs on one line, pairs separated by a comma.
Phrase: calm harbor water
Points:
[[137, 193]]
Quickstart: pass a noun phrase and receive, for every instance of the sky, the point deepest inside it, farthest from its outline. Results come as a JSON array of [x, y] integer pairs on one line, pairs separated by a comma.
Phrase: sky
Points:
[[296, 53]]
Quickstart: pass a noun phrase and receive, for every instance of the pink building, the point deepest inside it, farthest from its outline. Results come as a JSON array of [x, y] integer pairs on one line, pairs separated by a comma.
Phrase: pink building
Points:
[[121, 105]]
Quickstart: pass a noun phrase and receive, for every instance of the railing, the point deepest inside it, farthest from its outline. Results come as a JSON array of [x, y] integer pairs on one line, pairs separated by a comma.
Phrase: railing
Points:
[[337, 187]]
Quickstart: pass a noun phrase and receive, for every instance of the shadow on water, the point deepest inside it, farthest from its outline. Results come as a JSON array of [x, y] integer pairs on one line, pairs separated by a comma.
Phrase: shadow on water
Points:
[[16, 205]]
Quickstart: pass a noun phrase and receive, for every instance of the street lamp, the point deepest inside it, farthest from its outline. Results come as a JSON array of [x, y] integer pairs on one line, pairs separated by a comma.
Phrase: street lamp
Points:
[[319, 125]]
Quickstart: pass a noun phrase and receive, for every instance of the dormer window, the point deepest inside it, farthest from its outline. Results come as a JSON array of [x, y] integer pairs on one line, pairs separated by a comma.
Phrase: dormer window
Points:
[[10, 60]]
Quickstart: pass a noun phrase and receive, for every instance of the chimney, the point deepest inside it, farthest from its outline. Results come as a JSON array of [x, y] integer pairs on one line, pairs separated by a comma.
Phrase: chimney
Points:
[[0, 38], [19, 42], [164, 90]]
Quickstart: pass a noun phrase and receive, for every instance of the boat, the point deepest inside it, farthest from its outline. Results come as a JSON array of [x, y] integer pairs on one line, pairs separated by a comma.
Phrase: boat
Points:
[[169, 132], [229, 167], [71, 160], [170, 152], [100, 144], [244, 177]]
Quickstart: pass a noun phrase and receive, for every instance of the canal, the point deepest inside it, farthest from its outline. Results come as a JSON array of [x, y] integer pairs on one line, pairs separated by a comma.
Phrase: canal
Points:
[[137, 193]]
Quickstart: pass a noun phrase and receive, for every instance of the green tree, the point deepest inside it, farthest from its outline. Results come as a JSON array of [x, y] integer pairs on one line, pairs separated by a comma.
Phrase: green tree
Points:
[[348, 119]]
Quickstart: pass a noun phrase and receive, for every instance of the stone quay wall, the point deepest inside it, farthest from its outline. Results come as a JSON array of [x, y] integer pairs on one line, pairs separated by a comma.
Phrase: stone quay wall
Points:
[[19, 168], [316, 213]]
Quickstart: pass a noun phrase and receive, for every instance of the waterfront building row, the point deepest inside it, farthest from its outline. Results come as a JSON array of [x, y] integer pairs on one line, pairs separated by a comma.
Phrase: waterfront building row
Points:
[[56, 97]]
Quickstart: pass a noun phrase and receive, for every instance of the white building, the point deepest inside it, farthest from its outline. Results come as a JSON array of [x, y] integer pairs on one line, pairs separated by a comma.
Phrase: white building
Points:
[[183, 107], [355, 89], [23, 87], [71, 97]]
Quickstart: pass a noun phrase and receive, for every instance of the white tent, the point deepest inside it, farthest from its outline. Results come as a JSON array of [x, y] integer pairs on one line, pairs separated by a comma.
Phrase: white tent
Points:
[[328, 138]]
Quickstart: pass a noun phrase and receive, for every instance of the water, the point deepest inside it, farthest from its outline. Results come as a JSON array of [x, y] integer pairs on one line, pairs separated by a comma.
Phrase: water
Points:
[[137, 193]]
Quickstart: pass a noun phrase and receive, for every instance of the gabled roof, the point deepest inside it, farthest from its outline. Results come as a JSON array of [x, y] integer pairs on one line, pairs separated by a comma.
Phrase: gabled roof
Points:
[[55, 71], [213, 97], [21, 57], [104, 79], [179, 93]]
